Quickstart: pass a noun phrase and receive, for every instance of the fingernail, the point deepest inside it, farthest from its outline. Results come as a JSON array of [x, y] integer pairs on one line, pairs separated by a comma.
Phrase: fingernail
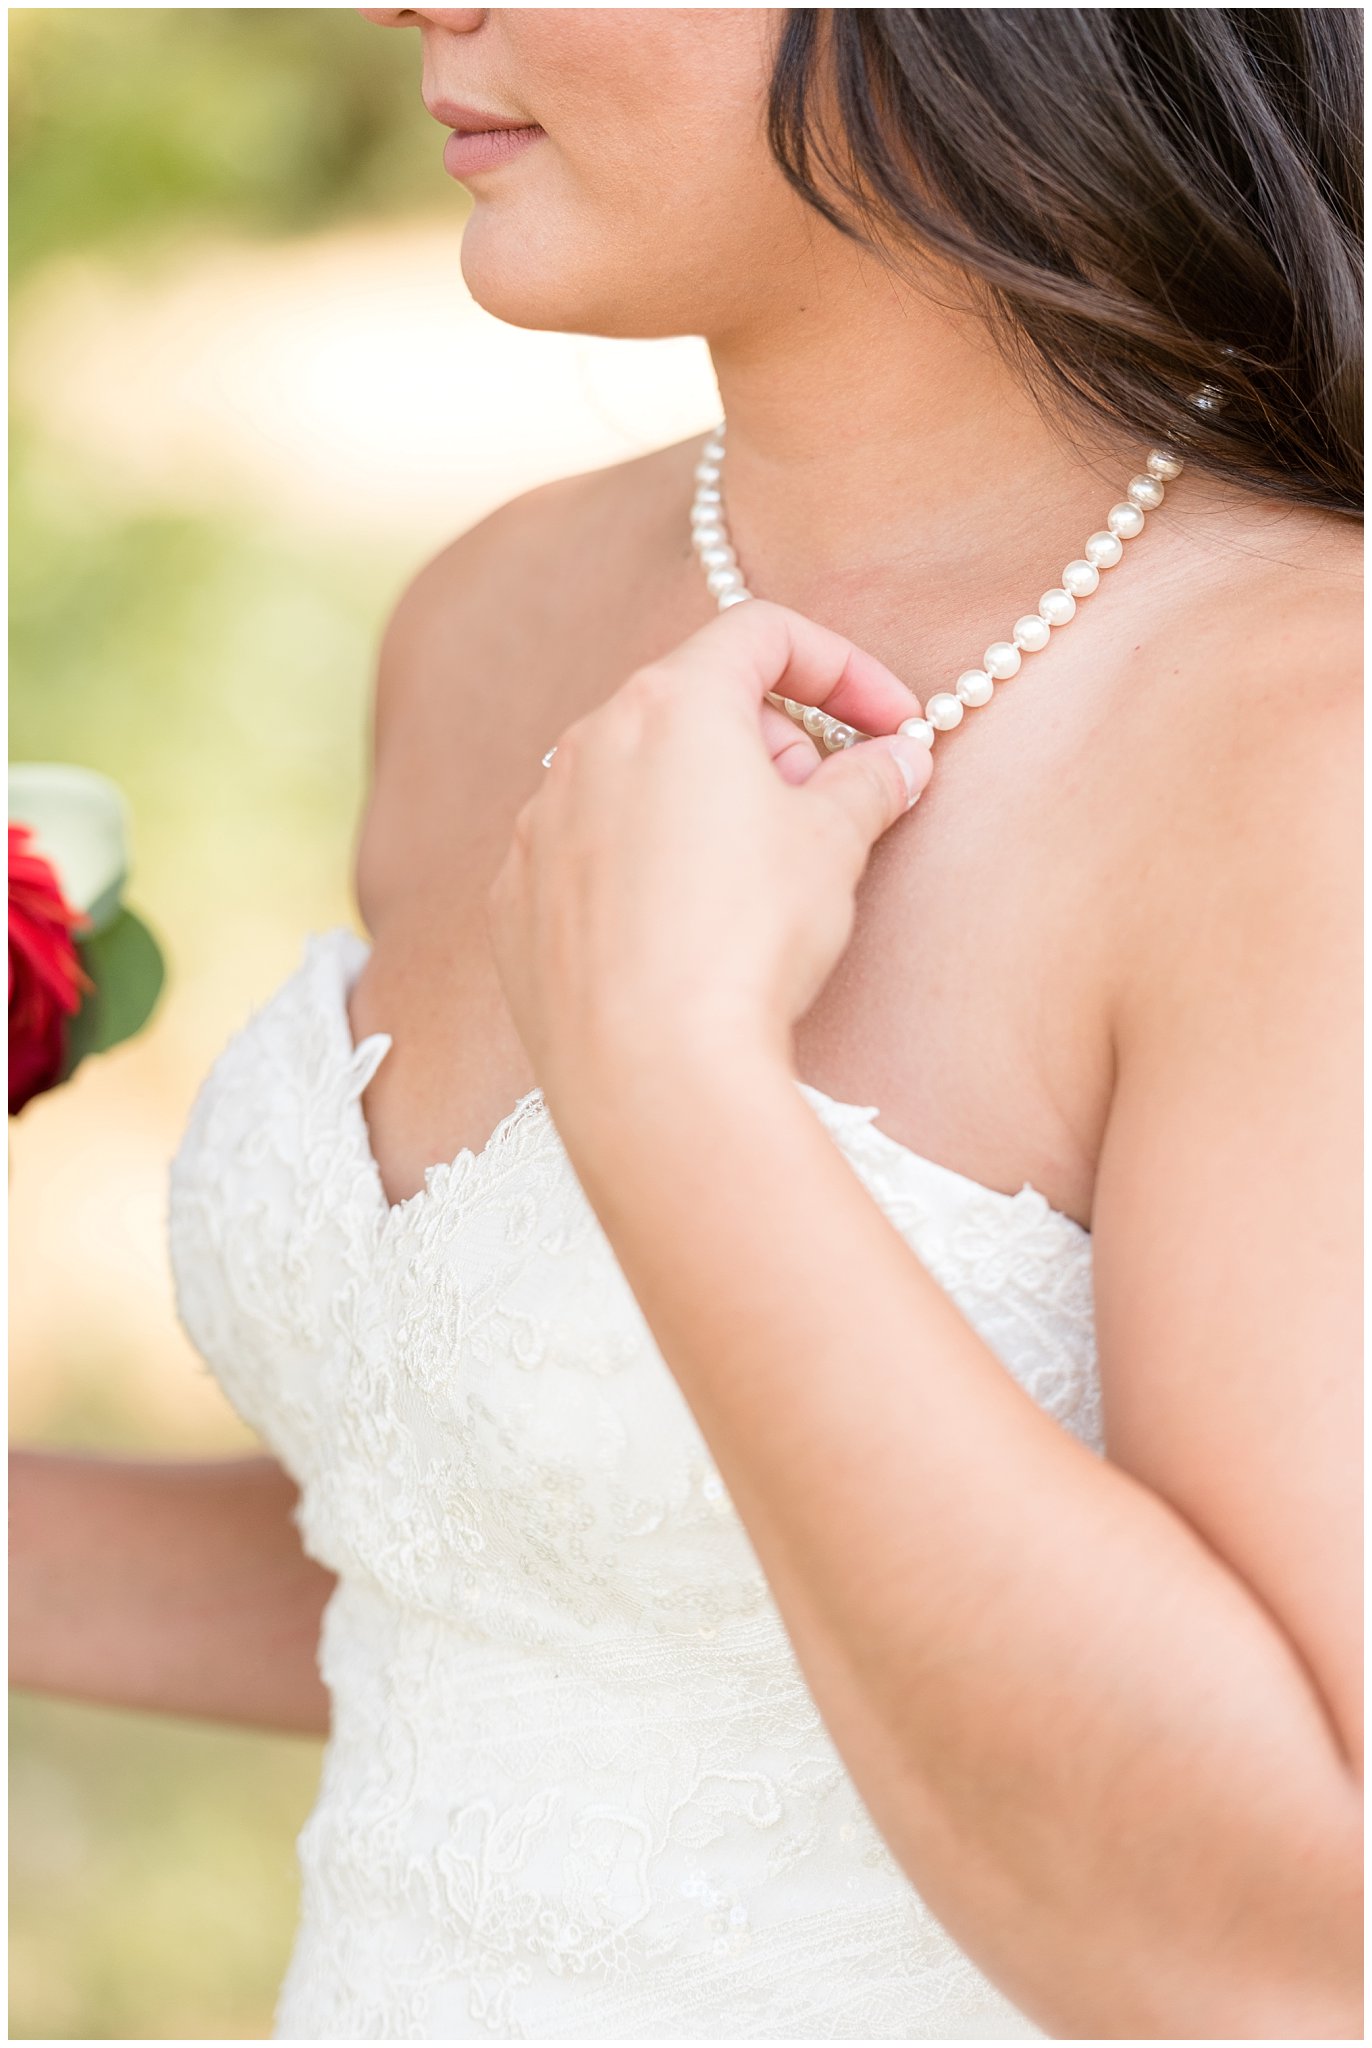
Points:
[[905, 761]]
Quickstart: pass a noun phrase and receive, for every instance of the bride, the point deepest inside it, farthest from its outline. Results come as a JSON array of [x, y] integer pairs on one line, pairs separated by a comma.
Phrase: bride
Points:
[[833, 1511]]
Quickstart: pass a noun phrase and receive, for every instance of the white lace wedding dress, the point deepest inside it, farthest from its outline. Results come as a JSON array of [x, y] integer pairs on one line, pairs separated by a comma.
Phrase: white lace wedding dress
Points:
[[576, 1786]]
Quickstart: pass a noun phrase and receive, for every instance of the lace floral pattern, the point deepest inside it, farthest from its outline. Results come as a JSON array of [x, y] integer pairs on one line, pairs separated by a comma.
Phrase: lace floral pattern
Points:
[[575, 1785]]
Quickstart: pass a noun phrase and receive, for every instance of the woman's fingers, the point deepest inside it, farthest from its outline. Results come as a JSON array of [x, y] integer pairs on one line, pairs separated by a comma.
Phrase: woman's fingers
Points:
[[870, 786], [794, 754], [759, 646]]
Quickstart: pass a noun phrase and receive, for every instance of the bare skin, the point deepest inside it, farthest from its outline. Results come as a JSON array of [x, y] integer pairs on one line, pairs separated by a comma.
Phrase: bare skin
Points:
[[174, 1587], [996, 927]]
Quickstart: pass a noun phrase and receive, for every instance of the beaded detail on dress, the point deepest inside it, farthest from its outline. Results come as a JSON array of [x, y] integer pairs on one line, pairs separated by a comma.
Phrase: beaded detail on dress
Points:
[[575, 1785]]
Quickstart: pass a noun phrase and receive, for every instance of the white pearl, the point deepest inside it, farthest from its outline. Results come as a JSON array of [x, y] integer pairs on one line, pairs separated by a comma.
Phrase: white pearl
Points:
[[1031, 633], [1145, 491], [974, 686], [733, 597], [944, 711], [1057, 606], [1162, 462], [813, 719], [1125, 520], [1080, 577], [1001, 660], [710, 536], [917, 729], [707, 515], [718, 557], [1103, 549], [707, 472], [708, 494], [837, 736], [720, 580], [713, 451]]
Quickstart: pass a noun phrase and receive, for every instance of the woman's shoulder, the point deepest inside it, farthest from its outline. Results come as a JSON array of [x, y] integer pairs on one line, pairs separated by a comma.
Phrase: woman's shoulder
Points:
[[1272, 610], [1269, 684], [1247, 653], [496, 643], [586, 508], [553, 551], [1241, 746]]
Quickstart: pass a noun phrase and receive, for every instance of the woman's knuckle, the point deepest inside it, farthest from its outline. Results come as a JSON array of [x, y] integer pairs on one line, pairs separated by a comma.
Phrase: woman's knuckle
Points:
[[652, 686]]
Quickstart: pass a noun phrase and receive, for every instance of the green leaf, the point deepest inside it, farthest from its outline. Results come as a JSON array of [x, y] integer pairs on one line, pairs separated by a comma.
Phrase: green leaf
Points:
[[125, 963], [80, 826]]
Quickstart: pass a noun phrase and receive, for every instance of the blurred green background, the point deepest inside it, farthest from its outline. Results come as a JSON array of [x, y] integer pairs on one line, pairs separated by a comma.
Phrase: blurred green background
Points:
[[249, 395]]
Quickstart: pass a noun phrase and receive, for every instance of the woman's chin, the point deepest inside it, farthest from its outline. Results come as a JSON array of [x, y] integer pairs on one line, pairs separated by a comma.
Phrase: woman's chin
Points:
[[509, 276], [519, 278]]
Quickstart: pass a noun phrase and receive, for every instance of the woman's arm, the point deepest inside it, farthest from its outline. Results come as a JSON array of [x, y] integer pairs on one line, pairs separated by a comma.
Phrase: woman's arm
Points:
[[1105, 1713], [178, 1588], [1100, 1758]]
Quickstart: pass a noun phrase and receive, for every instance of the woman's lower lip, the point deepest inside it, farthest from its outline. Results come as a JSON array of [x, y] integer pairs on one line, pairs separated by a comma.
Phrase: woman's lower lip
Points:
[[463, 154]]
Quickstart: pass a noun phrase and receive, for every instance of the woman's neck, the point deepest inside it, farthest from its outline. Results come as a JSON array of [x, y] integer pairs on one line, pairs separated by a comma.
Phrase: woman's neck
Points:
[[885, 463]]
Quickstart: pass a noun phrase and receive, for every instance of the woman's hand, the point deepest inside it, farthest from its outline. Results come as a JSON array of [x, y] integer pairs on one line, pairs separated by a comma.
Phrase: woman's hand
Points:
[[683, 882]]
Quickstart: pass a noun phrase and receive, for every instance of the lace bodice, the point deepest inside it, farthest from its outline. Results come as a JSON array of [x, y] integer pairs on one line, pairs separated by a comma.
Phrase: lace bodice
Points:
[[575, 1784]]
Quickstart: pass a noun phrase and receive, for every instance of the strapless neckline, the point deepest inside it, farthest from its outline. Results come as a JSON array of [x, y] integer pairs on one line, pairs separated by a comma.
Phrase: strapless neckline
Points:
[[348, 952]]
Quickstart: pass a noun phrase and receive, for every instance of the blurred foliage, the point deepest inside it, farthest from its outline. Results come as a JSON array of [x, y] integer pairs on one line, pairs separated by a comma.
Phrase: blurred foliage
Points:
[[218, 667], [215, 668], [130, 124], [133, 639], [152, 1878]]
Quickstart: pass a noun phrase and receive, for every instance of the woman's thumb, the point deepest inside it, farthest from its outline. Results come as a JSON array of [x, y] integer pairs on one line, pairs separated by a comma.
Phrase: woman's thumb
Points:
[[874, 782]]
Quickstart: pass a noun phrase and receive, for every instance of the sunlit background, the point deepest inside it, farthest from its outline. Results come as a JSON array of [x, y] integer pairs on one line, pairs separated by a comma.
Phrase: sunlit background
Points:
[[250, 395]]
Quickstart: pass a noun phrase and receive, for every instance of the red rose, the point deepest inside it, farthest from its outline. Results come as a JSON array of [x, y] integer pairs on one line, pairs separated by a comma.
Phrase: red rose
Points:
[[47, 979]]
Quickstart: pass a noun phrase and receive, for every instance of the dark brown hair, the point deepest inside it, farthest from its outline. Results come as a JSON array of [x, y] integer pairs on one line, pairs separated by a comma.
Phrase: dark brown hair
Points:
[[1152, 199]]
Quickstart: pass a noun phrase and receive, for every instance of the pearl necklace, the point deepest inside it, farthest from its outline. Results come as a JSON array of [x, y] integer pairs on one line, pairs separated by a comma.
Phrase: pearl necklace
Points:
[[1029, 635], [1124, 521]]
